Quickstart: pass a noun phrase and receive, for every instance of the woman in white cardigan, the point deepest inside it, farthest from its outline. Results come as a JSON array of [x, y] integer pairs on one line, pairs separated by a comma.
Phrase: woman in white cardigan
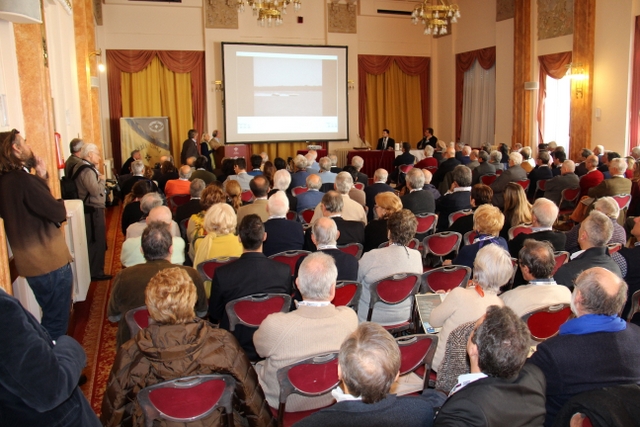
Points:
[[492, 268]]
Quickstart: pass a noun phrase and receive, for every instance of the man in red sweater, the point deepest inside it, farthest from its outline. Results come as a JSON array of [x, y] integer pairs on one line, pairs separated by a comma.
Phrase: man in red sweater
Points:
[[593, 176]]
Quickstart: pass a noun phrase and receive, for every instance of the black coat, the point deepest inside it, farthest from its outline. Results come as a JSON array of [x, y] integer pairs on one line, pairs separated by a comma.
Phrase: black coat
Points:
[[282, 235], [418, 202], [371, 192], [350, 232], [593, 257], [449, 204]]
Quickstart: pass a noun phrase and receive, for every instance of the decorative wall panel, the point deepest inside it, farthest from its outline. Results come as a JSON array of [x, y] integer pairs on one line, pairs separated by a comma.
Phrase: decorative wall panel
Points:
[[555, 18]]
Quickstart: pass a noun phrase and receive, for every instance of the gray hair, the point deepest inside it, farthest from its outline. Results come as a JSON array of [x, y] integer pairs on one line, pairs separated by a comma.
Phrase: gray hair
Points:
[[316, 276], [333, 201], [608, 206], [325, 164], [545, 211], [76, 145], [415, 179], [466, 150], [137, 167], [300, 162], [150, 201], [595, 299], [325, 231], [598, 227], [484, 156], [496, 156], [428, 151], [492, 268], [357, 162], [526, 152], [618, 164], [156, 241], [87, 149], [461, 175], [428, 176], [569, 165], [334, 159], [278, 204], [516, 158], [380, 175], [281, 179], [344, 182], [314, 182], [538, 257], [185, 172], [196, 187], [635, 151]]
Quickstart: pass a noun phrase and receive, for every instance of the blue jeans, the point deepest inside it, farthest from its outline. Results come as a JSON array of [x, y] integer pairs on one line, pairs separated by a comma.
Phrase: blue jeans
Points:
[[53, 293]]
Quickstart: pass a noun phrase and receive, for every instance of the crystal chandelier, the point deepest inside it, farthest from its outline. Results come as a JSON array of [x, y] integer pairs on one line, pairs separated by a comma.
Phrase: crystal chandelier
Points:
[[435, 18], [269, 12]]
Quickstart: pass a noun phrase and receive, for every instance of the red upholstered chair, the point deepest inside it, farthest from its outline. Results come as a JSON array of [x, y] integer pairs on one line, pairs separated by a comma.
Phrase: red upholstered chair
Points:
[[442, 244], [432, 169], [292, 216], [393, 290], [469, 237], [489, 178], [545, 322], [358, 185], [137, 319], [562, 258], [499, 172], [404, 169], [580, 420], [524, 183], [299, 190], [188, 399], [614, 247], [540, 185], [246, 196], [354, 249], [445, 278], [416, 354], [208, 268], [635, 305], [426, 225], [569, 195], [623, 200], [290, 258], [315, 376], [347, 294], [521, 228], [178, 200], [306, 216], [459, 214], [253, 309]]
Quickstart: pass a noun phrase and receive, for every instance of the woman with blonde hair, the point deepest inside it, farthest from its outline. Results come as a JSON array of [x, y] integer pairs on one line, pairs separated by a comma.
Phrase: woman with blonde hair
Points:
[[221, 241], [177, 344], [376, 233], [517, 209], [492, 268], [211, 195], [234, 194], [487, 223]]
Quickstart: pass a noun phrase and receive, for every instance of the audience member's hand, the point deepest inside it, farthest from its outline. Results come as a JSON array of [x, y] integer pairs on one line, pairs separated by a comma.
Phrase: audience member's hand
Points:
[[446, 262], [41, 167]]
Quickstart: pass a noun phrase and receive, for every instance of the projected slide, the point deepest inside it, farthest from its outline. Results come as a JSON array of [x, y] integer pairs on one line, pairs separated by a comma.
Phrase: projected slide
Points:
[[284, 93]]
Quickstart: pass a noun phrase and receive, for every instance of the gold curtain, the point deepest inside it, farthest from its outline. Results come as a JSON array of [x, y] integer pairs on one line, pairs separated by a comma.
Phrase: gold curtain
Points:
[[393, 102], [278, 149], [522, 73], [158, 91]]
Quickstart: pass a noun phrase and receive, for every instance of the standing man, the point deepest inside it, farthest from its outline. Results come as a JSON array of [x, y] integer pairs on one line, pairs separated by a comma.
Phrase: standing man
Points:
[[190, 147], [75, 146], [427, 139], [386, 143], [32, 221], [91, 191]]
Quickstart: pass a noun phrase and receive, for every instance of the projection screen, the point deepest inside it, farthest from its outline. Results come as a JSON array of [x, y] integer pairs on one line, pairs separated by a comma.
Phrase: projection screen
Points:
[[277, 93]]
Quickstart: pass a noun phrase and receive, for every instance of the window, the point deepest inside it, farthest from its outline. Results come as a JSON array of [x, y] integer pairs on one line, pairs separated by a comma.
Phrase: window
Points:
[[557, 110]]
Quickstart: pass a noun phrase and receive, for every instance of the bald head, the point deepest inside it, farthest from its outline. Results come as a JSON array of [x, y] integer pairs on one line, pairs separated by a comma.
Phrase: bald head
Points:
[[450, 153], [568, 166], [159, 214], [591, 162], [325, 232], [314, 182], [380, 175], [185, 172], [598, 291]]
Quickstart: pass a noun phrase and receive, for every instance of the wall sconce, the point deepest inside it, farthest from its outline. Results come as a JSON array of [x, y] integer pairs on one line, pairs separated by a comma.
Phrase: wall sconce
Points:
[[351, 84], [578, 76], [218, 85], [101, 66]]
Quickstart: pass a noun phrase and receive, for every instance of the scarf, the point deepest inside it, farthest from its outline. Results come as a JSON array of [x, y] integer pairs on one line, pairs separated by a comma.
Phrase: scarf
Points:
[[592, 323]]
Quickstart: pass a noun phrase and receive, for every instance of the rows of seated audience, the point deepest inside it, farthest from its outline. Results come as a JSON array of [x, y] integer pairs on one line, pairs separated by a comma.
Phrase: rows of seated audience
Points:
[[514, 219]]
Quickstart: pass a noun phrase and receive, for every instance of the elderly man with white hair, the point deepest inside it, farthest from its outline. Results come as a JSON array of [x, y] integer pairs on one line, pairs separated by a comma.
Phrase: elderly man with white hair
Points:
[[310, 198], [351, 210], [325, 173], [312, 165], [316, 327], [91, 190], [543, 214], [299, 176], [282, 234], [358, 163], [379, 186], [131, 248], [566, 179], [417, 200], [428, 186], [617, 184], [147, 203], [182, 185], [282, 182], [609, 207], [137, 171], [515, 173]]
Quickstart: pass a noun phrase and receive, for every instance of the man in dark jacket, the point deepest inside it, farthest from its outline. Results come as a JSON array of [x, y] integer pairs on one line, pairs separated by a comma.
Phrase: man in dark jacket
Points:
[[416, 199], [542, 171], [282, 234], [449, 163], [515, 173], [457, 198], [379, 186]]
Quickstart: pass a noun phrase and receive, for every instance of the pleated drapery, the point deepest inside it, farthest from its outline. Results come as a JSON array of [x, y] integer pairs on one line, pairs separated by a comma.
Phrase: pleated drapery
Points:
[[134, 61], [377, 65], [486, 58], [634, 117], [479, 106], [554, 66]]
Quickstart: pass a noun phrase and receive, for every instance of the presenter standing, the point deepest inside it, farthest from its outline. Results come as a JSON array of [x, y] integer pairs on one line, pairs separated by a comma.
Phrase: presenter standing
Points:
[[386, 142]]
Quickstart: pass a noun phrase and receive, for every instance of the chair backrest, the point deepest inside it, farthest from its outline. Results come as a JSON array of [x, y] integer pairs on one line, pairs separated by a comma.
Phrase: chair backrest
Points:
[[393, 290], [614, 247], [469, 237], [545, 322], [541, 184], [499, 172], [413, 244], [178, 200], [358, 185], [445, 278], [307, 215], [405, 168], [623, 200], [246, 196], [488, 178], [253, 309], [635, 305], [208, 268], [315, 376], [524, 183], [459, 214], [299, 190], [570, 195], [562, 258], [292, 216], [137, 319], [432, 169], [443, 243], [416, 354], [426, 225], [354, 249], [188, 399], [518, 229], [347, 294], [290, 258]]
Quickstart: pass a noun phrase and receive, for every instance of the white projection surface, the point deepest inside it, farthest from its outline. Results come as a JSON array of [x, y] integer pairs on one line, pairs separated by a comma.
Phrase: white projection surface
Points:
[[276, 93]]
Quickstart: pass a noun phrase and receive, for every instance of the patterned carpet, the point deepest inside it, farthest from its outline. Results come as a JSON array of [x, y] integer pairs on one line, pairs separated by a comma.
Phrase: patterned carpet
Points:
[[93, 330]]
